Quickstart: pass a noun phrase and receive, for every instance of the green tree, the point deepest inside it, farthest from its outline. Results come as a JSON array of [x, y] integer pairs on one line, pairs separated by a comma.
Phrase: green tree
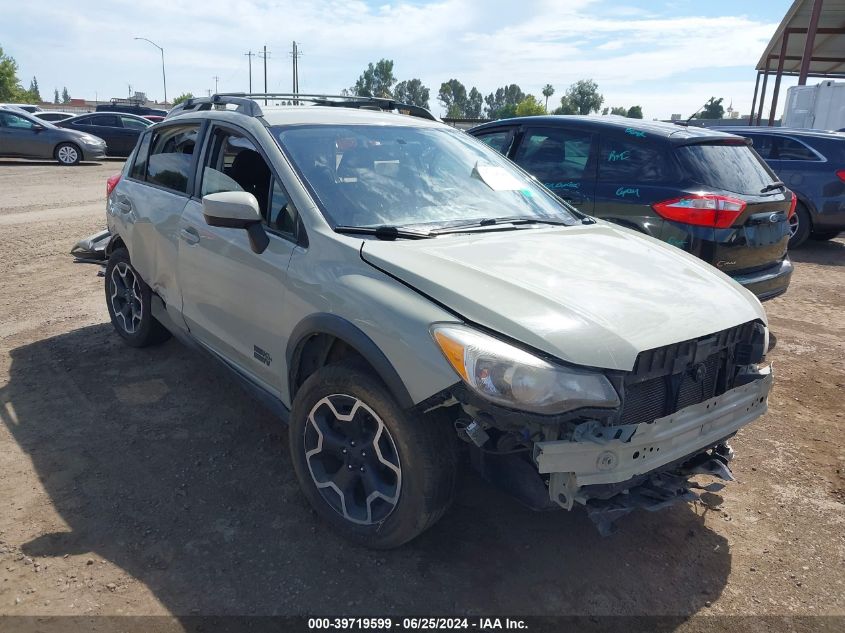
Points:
[[503, 103], [65, 95], [474, 104], [34, 93], [10, 87], [566, 107], [183, 97], [377, 80], [619, 111], [635, 112], [548, 91], [453, 97], [712, 109], [55, 95], [530, 106], [584, 96], [413, 92]]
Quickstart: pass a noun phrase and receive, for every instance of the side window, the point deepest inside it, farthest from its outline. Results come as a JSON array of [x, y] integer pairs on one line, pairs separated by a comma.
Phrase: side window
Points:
[[232, 163], [282, 216], [104, 120], [133, 124], [625, 161], [15, 122], [85, 120], [498, 140], [555, 154], [763, 145], [171, 151], [139, 167], [790, 149]]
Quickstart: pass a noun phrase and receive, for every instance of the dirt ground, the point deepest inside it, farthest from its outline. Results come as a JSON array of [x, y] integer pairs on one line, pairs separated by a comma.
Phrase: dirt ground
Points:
[[146, 482]]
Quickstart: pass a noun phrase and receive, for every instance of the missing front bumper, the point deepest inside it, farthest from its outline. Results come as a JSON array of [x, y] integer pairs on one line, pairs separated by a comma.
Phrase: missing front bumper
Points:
[[611, 455]]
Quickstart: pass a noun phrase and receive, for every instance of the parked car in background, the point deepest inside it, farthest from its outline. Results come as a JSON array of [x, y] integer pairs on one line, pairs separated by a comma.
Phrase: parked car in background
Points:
[[119, 130], [395, 289], [137, 110], [812, 164], [24, 136], [705, 192], [25, 107], [52, 115]]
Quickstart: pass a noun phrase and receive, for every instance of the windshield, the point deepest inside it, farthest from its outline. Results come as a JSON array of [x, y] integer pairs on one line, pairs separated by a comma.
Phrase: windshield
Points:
[[730, 167], [369, 176]]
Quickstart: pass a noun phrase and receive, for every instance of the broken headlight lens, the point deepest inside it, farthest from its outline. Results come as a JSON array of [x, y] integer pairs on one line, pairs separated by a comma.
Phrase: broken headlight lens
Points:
[[518, 379]]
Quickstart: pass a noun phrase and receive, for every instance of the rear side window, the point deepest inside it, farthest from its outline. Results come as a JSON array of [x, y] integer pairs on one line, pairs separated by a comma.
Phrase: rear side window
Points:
[[730, 167], [133, 124], [139, 166], [764, 145], [171, 152], [790, 149], [104, 120], [558, 154], [498, 140], [625, 161]]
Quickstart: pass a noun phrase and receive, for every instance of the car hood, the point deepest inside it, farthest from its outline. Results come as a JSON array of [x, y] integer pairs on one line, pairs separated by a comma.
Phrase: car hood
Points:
[[594, 295]]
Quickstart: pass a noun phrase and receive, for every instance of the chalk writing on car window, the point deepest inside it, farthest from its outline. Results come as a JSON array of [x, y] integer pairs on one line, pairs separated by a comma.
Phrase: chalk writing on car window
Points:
[[615, 156], [563, 185], [633, 132], [627, 191]]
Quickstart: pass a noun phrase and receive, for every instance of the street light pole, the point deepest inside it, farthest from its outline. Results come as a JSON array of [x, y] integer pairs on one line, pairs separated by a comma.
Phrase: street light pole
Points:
[[163, 76]]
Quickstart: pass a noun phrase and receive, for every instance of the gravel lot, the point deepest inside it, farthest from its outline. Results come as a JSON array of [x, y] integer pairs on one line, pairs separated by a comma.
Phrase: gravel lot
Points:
[[146, 482]]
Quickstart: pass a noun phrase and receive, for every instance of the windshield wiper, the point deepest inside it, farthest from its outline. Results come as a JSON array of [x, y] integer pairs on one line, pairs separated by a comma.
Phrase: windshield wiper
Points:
[[777, 184], [497, 222], [388, 233]]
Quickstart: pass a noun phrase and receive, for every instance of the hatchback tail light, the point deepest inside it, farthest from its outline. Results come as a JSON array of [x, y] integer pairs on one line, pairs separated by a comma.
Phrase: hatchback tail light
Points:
[[793, 203], [840, 173], [111, 183], [702, 210]]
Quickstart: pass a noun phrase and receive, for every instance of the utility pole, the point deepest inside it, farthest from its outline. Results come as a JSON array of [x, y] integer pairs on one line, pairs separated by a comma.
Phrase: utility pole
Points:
[[295, 55], [264, 56], [216, 79], [250, 55]]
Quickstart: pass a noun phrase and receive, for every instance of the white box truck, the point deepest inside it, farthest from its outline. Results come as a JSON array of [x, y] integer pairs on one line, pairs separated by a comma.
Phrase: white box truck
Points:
[[819, 107]]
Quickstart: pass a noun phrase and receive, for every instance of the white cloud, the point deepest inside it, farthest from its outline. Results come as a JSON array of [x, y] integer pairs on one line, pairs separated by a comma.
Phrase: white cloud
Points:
[[89, 47]]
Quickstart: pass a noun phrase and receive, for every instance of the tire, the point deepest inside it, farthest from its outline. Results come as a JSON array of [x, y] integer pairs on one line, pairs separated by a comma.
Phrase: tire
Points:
[[800, 226], [128, 300], [825, 235], [68, 154], [399, 487]]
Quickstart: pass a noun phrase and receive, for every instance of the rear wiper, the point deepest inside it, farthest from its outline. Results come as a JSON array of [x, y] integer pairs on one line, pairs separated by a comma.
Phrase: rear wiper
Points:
[[498, 222], [775, 185], [388, 233]]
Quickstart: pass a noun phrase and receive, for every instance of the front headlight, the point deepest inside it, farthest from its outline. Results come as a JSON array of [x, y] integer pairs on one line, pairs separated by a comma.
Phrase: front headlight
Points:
[[515, 378], [92, 140]]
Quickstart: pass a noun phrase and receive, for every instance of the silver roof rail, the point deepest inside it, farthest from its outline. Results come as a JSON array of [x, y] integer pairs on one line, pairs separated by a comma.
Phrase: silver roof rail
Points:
[[342, 101], [194, 104]]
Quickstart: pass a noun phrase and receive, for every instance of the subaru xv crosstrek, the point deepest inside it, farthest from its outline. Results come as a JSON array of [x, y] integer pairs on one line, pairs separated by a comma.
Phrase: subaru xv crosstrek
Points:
[[705, 192], [405, 297]]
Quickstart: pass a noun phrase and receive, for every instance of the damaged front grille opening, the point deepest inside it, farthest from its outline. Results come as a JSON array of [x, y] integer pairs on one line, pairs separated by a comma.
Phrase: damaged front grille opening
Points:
[[663, 381]]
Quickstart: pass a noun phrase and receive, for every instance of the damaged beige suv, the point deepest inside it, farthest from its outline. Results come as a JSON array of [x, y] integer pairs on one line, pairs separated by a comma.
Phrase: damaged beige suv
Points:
[[405, 297]]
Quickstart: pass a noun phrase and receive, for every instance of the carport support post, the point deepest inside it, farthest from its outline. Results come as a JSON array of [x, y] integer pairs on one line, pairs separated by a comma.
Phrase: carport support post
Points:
[[762, 94], [807, 57], [754, 99], [775, 92]]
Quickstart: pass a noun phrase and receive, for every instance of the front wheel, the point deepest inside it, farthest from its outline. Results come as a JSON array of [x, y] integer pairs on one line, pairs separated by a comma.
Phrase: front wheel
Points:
[[68, 154], [129, 301], [379, 475]]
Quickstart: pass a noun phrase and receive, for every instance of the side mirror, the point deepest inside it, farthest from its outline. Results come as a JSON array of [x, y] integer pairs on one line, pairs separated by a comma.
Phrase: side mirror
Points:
[[37, 127], [236, 210]]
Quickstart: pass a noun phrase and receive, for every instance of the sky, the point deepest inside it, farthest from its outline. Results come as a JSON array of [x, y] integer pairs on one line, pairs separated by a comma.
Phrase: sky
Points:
[[666, 56]]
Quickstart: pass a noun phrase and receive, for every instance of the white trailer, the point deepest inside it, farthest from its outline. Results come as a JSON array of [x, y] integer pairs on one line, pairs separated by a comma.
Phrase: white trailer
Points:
[[819, 107]]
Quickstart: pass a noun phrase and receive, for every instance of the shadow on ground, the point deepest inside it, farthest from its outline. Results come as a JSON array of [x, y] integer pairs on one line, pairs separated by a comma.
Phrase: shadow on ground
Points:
[[158, 463], [825, 252]]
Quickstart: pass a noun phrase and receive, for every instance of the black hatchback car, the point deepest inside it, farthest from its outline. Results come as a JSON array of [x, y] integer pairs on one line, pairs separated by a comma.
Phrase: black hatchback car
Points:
[[120, 131], [812, 164], [705, 192]]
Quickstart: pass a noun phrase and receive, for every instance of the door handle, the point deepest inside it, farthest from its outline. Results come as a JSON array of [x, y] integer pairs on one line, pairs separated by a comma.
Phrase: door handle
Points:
[[189, 235]]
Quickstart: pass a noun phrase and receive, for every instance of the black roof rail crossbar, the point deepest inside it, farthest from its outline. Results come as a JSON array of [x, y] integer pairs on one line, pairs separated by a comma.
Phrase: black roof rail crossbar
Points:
[[342, 101], [244, 105]]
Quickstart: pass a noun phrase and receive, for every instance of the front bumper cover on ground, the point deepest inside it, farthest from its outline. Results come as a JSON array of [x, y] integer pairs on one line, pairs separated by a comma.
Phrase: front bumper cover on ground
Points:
[[609, 455]]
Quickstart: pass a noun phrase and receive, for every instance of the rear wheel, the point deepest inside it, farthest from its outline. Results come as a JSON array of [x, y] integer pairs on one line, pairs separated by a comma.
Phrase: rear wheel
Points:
[[799, 226], [377, 474], [825, 235], [129, 301], [68, 154]]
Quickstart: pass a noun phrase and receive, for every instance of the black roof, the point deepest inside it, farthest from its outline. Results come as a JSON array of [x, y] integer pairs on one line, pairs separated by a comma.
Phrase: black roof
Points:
[[672, 132]]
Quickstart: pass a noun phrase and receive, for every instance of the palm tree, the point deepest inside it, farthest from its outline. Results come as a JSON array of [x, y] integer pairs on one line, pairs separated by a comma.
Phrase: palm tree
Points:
[[548, 91]]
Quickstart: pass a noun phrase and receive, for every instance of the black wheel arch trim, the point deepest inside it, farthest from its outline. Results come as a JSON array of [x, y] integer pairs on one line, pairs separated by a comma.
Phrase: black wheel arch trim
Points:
[[352, 335]]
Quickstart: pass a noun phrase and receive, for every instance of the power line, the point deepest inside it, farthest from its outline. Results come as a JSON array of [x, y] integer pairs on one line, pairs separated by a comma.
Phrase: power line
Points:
[[264, 56], [216, 79], [250, 55], [295, 55]]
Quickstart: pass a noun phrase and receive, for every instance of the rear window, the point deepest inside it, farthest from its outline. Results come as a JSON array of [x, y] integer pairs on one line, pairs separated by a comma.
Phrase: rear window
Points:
[[733, 168], [626, 161]]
